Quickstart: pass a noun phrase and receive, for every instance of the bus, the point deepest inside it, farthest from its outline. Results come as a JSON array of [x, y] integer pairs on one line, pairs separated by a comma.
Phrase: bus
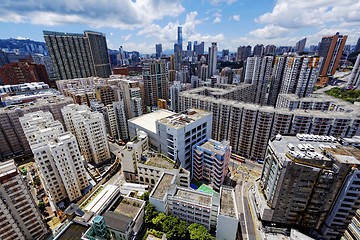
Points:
[[238, 158]]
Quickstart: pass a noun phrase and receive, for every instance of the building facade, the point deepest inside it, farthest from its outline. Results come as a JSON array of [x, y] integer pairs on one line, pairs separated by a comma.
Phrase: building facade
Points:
[[20, 218], [210, 161], [57, 157], [90, 131]]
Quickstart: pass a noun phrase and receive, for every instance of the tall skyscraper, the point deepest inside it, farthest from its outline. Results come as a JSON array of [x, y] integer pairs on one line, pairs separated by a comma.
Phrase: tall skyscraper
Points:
[[331, 49], [300, 45], [188, 48], [259, 50], [99, 53], [90, 131], [354, 79], [158, 50], [243, 52], [212, 61], [357, 47], [78, 55], [276, 80], [174, 96], [57, 156], [156, 84], [179, 38], [199, 48], [20, 218]]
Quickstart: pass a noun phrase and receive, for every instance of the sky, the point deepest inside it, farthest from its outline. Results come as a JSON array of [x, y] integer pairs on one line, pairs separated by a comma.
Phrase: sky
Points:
[[138, 25]]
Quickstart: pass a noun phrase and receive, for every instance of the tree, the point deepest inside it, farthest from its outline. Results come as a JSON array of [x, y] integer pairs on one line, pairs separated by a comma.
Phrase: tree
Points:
[[42, 207], [145, 197], [158, 221], [169, 223], [199, 232], [150, 213], [182, 230], [37, 182]]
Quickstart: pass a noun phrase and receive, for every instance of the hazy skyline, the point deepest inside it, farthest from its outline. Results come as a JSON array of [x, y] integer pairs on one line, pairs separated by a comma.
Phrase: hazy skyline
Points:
[[139, 25]]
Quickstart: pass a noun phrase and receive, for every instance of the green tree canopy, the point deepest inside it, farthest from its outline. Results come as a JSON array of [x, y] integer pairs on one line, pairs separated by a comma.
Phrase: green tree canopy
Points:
[[199, 232]]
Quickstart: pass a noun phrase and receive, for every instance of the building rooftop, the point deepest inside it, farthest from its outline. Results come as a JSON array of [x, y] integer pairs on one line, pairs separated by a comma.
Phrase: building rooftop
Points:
[[128, 206], [193, 196], [162, 186], [157, 160], [310, 149], [180, 120], [74, 232], [117, 221], [215, 146], [7, 168], [227, 203], [95, 204], [148, 121]]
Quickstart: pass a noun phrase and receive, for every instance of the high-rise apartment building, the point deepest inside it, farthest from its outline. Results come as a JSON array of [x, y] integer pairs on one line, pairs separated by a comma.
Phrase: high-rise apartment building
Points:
[[243, 52], [90, 131], [121, 120], [174, 96], [156, 84], [300, 75], [302, 179], [300, 46], [212, 61], [345, 206], [110, 121], [258, 71], [270, 49], [99, 53], [354, 79], [179, 38], [331, 49], [23, 72], [188, 48], [210, 161], [78, 55], [80, 95], [276, 80], [258, 50], [14, 143], [353, 230], [105, 94], [158, 48], [57, 156], [199, 48], [238, 121], [20, 218]]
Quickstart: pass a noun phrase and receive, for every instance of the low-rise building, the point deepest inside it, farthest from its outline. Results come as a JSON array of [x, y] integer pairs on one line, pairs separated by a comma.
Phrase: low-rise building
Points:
[[167, 131]]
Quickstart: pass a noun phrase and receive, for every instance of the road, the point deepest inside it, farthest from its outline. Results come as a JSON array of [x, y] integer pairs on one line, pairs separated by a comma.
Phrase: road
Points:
[[244, 174]]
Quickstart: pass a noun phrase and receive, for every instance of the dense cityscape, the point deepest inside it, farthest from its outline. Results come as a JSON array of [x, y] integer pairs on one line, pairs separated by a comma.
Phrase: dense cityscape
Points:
[[193, 142]]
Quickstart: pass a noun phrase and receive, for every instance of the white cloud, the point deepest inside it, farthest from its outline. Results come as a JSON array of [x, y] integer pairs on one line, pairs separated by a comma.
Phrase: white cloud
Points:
[[21, 38], [236, 17], [126, 37], [111, 33], [217, 2], [126, 14], [217, 20], [323, 17], [269, 32]]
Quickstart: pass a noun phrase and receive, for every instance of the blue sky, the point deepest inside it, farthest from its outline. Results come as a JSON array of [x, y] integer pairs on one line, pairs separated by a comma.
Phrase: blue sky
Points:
[[139, 25]]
